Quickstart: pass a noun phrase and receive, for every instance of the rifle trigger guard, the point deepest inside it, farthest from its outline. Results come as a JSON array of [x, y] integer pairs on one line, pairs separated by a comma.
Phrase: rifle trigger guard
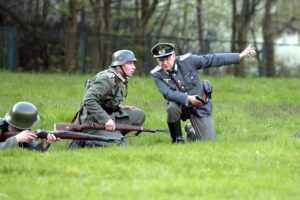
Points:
[[137, 133], [92, 124]]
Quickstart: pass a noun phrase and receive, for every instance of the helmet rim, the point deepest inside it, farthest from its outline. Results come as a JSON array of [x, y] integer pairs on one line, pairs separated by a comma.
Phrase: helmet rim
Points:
[[23, 115]]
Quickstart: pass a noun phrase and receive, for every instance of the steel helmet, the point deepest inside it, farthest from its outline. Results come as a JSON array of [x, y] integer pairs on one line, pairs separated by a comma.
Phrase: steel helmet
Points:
[[23, 115], [121, 57]]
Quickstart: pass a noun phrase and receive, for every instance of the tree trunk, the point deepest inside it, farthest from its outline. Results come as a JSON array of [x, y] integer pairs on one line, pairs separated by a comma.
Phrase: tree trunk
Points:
[[261, 68], [107, 44], [70, 40], [244, 20], [234, 21], [269, 62], [147, 12], [200, 28], [96, 58], [164, 18]]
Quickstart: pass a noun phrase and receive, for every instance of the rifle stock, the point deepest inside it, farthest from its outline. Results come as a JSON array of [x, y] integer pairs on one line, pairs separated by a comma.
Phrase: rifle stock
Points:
[[95, 126], [63, 134]]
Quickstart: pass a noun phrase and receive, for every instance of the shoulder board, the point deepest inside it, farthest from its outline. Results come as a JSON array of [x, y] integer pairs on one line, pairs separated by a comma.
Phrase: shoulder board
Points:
[[103, 74], [114, 73], [156, 69], [183, 57], [110, 73]]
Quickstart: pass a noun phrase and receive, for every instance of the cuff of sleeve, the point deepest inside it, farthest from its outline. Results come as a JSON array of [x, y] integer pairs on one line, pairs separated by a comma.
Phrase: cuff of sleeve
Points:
[[234, 59], [187, 102], [103, 119], [12, 141]]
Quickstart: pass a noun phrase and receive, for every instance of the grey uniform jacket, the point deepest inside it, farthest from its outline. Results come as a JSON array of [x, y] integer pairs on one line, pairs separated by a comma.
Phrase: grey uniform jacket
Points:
[[184, 79]]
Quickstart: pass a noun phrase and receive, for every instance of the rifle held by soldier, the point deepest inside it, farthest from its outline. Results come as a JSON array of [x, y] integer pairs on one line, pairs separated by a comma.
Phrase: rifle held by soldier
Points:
[[62, 134], [95, 126]]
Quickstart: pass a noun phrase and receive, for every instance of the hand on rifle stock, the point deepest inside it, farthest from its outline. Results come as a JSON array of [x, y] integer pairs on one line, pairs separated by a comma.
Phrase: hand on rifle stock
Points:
[[51, 138], [128, 107], [110, 125], [26, 136]]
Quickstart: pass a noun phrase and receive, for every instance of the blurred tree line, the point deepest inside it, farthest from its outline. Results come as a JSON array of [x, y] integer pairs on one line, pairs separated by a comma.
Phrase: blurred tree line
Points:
[[80, 35]]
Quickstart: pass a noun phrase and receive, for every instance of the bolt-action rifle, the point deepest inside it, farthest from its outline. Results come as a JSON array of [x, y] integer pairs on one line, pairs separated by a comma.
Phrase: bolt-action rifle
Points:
[[95, 126], [62, 134]]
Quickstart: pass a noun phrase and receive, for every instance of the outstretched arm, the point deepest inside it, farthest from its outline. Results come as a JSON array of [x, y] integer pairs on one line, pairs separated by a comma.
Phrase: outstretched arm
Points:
[[248, 52]]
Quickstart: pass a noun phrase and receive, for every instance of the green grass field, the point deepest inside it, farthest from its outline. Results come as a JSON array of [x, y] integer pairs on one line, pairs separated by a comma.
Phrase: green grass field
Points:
[[254, 157]]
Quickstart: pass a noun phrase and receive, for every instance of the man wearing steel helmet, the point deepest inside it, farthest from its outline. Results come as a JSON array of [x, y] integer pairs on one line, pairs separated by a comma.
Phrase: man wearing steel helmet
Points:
[[102, 102], [177, 79], [21, 118]]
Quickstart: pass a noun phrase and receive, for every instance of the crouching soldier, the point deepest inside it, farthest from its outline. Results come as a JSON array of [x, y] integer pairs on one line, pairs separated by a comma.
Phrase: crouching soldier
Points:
[[102, 102], [177, 79]]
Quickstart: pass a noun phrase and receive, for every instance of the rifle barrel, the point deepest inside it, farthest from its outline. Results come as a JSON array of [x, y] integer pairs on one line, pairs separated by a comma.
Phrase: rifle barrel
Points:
[[63, 134], [95, 126], [77, 136]]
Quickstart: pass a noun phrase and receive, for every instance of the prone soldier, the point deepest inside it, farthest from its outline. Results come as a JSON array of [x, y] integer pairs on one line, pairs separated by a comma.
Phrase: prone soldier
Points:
[[21, 118]]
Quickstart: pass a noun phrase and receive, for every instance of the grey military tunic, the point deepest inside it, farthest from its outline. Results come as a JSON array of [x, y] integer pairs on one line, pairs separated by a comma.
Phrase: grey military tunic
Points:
[[110, 88], [184, 80]]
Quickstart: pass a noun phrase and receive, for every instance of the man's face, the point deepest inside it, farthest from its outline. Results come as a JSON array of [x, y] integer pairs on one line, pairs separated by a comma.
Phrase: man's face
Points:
[[11, 128], [129, 68], [167, 63]]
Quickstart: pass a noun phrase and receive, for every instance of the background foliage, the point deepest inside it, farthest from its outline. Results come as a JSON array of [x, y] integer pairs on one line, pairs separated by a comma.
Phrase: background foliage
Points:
[[80, 35]]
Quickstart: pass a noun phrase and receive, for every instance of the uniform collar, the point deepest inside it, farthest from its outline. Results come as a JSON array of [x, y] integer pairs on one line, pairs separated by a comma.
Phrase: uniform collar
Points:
[[118, 74], [173, 70]]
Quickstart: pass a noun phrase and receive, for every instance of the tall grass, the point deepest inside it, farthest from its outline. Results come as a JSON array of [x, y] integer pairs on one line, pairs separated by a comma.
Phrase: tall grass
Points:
[[254, 157]]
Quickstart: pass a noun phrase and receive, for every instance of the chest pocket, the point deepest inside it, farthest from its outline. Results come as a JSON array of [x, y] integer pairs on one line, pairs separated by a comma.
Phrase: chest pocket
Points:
[[191, 78], [117, 94], [172, 85], [120, 92]]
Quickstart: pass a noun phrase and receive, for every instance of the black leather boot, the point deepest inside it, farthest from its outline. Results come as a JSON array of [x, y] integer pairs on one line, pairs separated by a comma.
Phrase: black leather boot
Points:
[[172, 131], [190, 132], [175, 131]]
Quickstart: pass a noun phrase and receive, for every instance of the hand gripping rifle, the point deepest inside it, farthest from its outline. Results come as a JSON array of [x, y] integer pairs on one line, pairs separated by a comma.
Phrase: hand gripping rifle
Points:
[[95, 126], [63, 134]]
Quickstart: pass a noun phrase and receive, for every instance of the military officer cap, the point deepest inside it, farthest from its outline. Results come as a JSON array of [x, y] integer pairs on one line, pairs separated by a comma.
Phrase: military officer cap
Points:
[[161, 50]]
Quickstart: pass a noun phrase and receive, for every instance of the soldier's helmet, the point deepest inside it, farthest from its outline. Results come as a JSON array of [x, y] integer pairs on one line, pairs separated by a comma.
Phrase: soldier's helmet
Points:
[[23, 115], [121, 57]]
